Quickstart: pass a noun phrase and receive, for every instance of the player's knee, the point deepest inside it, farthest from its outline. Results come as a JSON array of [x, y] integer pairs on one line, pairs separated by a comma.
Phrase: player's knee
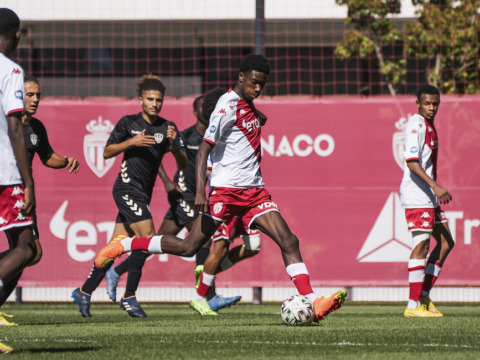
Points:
[[289, 243]]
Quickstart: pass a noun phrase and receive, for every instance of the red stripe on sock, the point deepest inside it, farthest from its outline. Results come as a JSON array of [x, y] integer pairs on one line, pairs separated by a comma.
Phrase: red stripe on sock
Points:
[[302, 283], [141, 243]]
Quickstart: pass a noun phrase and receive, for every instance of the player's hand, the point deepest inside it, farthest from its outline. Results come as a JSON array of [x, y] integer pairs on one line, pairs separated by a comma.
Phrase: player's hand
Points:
[[142, 140], [201, 203], [72, 164], [29, 207], [442, 194], [172, 187], [171, 133]]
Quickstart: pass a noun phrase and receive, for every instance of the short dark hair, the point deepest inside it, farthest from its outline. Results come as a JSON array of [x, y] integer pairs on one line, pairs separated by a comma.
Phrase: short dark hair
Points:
[[210, 100], [427, 89], [30, 78], [254, 62], [149, 82], [196, 101], [8, 21]]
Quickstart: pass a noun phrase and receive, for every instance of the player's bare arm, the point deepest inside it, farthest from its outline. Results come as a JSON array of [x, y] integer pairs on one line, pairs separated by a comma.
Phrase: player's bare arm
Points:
[[262, 118], [60, 162], [15, 133], [442, 194], [140, 140], [170, 186], [178, 153], [201, 202]]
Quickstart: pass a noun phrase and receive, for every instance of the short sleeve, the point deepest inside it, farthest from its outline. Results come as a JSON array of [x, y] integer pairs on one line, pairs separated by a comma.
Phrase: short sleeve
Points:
[[12, 101], [45, 151], [222, 118], [414, 139], [119, 133]]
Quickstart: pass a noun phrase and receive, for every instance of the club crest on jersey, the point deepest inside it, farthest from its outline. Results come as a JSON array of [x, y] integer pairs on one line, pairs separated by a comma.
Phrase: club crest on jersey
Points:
[[94, 143], [19, 94], [213, 128], [217, 207], [158, 137], [34, 139]]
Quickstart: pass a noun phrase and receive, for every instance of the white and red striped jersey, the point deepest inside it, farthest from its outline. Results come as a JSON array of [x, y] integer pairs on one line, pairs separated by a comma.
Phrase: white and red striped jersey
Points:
[[235, 132], [11, 100], [421, 143]]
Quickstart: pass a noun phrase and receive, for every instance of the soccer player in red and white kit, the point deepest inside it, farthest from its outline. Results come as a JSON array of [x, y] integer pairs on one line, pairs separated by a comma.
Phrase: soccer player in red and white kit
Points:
[[233, 142], [421, 195], [17, 197]]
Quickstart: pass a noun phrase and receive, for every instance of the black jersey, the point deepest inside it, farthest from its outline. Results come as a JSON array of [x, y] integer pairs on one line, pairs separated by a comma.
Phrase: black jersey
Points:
[[36, 140], [140, 164], [186, 178]]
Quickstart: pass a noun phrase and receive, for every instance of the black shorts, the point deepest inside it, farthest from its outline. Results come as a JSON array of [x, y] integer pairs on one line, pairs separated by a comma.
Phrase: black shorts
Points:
[[132, 206], [182, 209]]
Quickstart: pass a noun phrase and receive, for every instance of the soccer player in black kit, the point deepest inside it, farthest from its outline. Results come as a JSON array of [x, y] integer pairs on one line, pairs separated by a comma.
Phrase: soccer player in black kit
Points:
[[143, 138], [36, 140], [181, 197]]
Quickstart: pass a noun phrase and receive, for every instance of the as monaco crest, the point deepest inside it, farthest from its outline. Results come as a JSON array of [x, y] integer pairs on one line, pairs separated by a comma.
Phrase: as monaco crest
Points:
[[399, 141], [94, 143]]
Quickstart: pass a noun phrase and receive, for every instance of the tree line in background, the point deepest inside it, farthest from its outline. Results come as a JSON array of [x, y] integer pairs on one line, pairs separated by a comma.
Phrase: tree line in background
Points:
[[446, 34]]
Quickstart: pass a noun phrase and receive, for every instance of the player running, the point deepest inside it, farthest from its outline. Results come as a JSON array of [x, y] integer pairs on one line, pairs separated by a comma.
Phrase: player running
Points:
[[421, 195], [233, 142], [17, 196], [36, 139], [144, 139]]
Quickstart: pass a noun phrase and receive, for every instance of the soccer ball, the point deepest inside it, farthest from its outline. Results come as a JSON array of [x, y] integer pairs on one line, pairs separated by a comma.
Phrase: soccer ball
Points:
[[297, 310]]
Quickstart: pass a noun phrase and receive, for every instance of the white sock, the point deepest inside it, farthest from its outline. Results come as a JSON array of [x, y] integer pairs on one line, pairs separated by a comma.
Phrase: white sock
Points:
[[127, 244], [207, 279], [155, 246], [1, 284], [412, 304], [197, 297], [296, 269], [311, 297]]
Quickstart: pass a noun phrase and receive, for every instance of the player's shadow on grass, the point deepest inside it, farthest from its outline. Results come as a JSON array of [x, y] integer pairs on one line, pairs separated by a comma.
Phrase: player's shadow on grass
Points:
[[55, 351]]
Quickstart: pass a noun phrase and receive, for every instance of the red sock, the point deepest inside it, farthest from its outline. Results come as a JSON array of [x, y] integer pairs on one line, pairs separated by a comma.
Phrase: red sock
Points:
[[141, 243], [203, 288], [302, 283], [416, 276]]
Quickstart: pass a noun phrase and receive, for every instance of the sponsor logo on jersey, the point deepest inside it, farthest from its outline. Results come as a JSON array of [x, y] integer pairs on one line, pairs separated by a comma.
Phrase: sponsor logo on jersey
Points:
[[16, 71], [158, 137], [135, 132], [19, 94], [217, 207], [17, 190], [18, 204], [389, 240], [222, 111], [413, 149], [425, 215], [94, 143], [34, 139], [213, 128]]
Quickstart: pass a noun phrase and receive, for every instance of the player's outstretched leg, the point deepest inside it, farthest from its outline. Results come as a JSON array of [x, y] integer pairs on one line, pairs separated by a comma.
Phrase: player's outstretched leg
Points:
[[5, 322], [112, 279], [110, 252], [325, 305], [131, 306], [202, 307], [5, 349], [219, 302], [83, 302]]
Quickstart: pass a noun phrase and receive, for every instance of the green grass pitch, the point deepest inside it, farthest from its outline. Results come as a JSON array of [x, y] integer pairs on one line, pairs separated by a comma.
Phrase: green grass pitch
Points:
[[244, 331]]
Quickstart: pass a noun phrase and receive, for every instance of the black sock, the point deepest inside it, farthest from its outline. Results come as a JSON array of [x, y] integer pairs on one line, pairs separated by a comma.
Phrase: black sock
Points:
[[135, 264], [202, 255], [8, 289], [212, 291], [123, 267], [94, 279]]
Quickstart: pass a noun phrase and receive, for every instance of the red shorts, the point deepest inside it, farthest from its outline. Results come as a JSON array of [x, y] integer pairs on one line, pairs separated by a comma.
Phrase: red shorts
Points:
[[12, 198], [247, 204], [424, 219], [232, 229]]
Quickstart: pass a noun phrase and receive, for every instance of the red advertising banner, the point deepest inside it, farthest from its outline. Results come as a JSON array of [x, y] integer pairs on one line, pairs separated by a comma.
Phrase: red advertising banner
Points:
[[332, 165]]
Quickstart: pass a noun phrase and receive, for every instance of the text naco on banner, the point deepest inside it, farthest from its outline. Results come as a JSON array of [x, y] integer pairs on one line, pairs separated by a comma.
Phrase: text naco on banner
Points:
[[333, 166]]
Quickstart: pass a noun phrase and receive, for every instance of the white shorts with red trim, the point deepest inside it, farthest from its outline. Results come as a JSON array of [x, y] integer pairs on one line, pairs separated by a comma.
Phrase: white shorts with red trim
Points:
[[424, 219], [247, 204], [12, 198]]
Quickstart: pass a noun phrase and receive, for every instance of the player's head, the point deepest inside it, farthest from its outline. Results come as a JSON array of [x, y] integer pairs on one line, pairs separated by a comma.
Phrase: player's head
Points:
[[9, 30], [428, 101], [210, 100], [151, 92], [197, 109], [32, 94], [253, 76]]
